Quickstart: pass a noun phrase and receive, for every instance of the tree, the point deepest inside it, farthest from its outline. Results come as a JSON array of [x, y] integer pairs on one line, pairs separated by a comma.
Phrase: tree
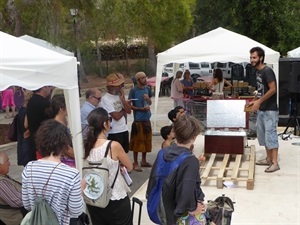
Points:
[[271, 22], [161, 21]]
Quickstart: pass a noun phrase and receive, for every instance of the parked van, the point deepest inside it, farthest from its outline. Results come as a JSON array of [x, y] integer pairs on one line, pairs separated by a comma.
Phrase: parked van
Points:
[[225, 67], [201, 69], [168, 70]]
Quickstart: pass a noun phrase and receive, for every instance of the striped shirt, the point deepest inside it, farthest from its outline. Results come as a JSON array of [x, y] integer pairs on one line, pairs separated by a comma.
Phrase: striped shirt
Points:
[[63, 191], [9, 192]]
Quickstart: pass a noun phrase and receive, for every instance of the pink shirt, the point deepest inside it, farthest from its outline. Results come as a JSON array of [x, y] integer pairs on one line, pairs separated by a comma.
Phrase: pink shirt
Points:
[[176, 89]]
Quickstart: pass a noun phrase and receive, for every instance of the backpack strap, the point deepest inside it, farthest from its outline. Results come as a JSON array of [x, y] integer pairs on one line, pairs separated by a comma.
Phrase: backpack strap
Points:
[[105, 155], [107, 148], [45, 186]]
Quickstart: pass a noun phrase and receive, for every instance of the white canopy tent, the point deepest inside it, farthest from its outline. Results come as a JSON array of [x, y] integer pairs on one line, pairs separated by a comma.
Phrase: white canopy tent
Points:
[[219, 45], [295, 53], [46, 44], [30, 66]]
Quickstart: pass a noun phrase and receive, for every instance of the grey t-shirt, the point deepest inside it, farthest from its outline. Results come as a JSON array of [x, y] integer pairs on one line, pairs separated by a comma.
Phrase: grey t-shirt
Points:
[[263, 77]]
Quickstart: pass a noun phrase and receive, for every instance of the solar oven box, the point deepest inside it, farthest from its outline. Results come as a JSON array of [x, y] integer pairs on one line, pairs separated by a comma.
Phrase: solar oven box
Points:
[[226, 123]]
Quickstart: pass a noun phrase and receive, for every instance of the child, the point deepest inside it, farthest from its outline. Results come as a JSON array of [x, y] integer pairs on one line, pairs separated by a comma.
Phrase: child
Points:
[[168, 135]]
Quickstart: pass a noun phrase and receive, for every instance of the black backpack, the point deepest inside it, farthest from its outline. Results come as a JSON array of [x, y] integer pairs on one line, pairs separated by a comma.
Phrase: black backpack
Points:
[[220, 210]]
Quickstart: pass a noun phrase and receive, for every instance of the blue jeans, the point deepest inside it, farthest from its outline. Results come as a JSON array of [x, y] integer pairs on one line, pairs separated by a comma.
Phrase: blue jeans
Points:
[[267, 129]]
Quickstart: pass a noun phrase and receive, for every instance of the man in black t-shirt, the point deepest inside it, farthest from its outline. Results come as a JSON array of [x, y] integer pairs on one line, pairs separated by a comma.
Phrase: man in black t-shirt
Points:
[[36, 114], [267, 112]]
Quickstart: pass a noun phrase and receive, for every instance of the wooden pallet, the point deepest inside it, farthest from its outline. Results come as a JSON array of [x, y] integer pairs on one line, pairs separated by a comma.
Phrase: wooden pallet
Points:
[[230, 168]]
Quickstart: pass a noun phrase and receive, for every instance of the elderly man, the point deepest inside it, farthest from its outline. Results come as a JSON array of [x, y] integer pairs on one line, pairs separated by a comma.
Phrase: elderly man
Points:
[[115, 104], [92, 100], [10, 195]]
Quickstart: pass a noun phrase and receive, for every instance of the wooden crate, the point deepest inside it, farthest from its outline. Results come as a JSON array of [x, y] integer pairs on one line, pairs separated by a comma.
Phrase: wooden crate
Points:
[[229, 167]]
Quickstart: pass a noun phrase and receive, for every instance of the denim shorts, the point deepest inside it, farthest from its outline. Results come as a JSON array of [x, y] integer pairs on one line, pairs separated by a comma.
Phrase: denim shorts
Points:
[[267, 129]]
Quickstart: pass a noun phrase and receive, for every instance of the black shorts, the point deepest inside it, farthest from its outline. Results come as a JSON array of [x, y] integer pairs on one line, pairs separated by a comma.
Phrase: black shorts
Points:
[[122, 138]]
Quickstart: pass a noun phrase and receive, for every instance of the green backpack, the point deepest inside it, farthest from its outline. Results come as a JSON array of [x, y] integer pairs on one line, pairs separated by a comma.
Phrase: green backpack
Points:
[[42, 213]]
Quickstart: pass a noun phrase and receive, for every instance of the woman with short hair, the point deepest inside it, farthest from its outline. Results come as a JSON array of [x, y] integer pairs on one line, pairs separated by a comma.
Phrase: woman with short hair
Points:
[[57, 183], [182, 196]]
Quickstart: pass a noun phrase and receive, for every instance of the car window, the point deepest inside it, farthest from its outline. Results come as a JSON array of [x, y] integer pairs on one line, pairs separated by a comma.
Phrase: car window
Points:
[[231, 64], [220, 65], [194, 65], [169, 65], [204, 65]]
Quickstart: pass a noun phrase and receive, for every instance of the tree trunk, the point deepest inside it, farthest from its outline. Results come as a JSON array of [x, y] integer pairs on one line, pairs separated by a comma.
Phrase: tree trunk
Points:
[[82, 76], [14, 16], [152, 57], [99, 59], [126, 57]]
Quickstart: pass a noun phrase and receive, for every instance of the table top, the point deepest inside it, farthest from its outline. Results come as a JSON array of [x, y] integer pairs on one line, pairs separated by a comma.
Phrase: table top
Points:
[[152, 81]]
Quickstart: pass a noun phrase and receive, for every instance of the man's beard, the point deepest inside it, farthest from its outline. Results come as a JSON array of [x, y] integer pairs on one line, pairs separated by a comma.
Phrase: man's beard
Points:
[[255, 64]]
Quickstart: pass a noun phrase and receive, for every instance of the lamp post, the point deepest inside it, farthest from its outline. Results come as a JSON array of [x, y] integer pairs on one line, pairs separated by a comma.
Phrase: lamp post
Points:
[[74, 13]]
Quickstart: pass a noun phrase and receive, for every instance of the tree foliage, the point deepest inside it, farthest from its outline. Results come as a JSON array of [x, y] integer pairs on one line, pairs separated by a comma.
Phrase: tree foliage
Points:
[[271, 22], [162, 22]]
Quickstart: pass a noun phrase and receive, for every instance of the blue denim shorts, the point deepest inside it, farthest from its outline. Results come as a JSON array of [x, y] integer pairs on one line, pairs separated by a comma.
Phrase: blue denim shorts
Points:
[[267, 129]]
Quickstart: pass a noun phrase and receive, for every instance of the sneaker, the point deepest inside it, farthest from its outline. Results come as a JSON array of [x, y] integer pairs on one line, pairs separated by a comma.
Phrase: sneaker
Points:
[[272, 168], [263, 162]]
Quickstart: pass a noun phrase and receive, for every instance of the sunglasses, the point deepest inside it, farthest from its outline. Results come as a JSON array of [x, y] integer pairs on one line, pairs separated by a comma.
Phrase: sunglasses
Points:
[[96, 97], [110, 119]]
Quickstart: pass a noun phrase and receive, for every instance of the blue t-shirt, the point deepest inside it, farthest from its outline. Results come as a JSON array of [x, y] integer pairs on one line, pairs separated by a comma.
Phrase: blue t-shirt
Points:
[[137, 93], [188, 84]]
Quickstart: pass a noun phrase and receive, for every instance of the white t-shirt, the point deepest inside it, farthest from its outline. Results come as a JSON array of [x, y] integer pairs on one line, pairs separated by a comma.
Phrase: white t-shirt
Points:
[[112, 103]]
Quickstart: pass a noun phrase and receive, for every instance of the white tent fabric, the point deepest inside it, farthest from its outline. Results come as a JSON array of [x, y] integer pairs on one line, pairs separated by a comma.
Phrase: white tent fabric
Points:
[[30, 66], [46, 44], [219, 45], [295, 53]]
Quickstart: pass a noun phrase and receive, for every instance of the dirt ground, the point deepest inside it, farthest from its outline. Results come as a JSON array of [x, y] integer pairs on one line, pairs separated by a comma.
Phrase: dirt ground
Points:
[[3, 130], [96, 81]]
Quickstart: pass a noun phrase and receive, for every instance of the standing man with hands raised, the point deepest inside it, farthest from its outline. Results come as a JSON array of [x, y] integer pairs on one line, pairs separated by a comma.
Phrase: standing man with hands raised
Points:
[[115, 104], [141, 131]]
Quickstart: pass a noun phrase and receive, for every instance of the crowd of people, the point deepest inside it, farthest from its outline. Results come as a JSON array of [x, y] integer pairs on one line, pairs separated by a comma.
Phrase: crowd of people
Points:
[[45, 147]]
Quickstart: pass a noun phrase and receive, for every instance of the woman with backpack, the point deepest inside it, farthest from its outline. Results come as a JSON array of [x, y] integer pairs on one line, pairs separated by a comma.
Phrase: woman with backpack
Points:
[[118, 210], [180, 191], [58, 185]]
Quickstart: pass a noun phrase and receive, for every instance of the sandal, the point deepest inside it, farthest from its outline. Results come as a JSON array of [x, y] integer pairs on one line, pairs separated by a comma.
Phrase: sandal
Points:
[[263, 162], [7, 116], [146, 164], [272, 168], [137, 168]]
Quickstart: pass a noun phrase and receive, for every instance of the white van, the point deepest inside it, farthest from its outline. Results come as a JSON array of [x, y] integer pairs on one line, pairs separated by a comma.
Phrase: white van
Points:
[[168, 70], [225, 67], [198, 69]]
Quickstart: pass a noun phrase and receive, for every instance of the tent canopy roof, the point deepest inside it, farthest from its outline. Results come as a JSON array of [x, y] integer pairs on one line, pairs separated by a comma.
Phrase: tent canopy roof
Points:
[[295, 53], [31, 66], [46, 44], [219, 45]]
